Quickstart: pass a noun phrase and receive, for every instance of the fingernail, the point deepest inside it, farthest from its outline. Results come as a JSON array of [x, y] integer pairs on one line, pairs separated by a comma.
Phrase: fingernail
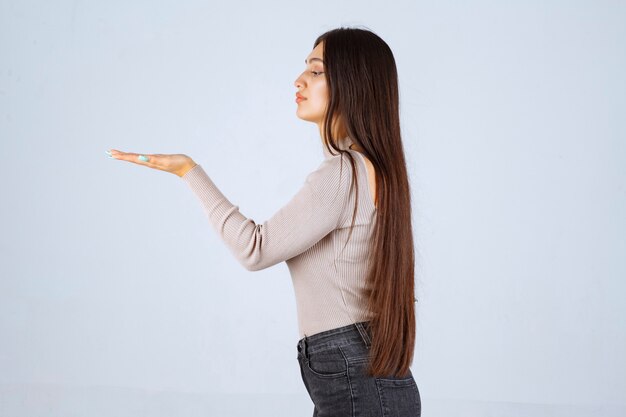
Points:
[[108, 152]]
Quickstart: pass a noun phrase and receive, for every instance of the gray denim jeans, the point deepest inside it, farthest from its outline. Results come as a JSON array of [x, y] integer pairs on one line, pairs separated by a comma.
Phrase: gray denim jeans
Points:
[[332, 364]]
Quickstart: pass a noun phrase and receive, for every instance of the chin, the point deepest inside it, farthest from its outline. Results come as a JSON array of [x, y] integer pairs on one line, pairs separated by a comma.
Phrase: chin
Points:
[[304, 117], [307, 116]]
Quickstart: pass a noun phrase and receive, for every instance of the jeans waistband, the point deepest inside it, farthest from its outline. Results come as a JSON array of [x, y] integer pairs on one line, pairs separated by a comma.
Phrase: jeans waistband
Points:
[[340, 336]]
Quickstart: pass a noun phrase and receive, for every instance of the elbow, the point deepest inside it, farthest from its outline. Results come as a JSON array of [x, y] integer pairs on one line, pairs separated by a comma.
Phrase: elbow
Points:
[[251, 267], [256, 264], [251, 264]]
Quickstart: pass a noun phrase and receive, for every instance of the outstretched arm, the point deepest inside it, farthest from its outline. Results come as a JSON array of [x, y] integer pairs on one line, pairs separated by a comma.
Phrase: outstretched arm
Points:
[[312, 213]]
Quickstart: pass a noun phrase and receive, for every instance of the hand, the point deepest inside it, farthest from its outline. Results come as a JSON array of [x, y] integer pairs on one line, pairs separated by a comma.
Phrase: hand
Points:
[[177, 164]]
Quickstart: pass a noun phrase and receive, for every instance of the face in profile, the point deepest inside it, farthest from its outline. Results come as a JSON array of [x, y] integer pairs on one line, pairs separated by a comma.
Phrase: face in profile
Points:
[[311, 85]]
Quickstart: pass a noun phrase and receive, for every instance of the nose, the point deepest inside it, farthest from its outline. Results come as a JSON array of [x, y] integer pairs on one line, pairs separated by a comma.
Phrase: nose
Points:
[[298, 83]]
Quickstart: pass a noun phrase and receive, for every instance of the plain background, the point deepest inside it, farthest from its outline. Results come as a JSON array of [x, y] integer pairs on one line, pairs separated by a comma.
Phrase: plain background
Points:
[[118, 299]]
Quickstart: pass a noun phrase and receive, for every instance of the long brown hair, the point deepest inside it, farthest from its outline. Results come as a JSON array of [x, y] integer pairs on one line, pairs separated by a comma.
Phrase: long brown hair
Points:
[[362, 78]]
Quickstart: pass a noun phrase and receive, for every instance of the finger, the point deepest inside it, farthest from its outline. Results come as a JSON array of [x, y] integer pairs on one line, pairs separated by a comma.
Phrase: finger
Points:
[[153, 160], [131, 156]]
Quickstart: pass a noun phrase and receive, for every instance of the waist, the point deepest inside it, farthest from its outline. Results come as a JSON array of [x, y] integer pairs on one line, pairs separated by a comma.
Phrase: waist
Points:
[[355, 333]]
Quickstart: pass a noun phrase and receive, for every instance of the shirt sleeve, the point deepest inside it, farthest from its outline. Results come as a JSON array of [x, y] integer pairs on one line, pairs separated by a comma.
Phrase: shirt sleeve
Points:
[[313, 212]]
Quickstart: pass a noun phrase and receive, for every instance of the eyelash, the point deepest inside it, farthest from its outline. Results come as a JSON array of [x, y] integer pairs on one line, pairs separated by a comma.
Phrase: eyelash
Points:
[[316, 73]]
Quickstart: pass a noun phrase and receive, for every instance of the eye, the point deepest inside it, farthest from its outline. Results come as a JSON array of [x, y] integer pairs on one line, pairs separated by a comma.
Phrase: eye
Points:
[[316, 73]]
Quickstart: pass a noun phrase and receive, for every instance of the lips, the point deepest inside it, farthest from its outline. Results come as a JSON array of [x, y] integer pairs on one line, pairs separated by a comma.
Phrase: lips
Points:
[[300, 96]]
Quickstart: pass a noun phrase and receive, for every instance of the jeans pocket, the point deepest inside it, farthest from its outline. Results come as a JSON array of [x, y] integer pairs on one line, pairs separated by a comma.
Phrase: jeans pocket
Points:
[[327, 364], [399, 396]]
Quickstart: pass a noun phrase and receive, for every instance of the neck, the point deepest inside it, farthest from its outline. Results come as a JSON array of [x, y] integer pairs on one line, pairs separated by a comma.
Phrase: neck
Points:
[[339, 131]]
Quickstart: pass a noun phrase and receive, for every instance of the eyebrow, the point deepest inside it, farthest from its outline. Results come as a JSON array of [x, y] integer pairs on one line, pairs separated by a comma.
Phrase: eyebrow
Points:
[[314, 59]]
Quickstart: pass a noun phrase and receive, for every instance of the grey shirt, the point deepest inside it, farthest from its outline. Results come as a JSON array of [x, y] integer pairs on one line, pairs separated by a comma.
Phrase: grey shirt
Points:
[[308, 233]]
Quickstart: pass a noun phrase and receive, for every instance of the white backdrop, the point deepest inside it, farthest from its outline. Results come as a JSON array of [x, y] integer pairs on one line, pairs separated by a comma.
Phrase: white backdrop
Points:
[[118, 299]]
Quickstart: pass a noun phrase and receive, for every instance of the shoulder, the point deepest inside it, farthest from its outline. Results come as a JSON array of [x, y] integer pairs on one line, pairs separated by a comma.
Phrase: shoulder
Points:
[[333, 170]]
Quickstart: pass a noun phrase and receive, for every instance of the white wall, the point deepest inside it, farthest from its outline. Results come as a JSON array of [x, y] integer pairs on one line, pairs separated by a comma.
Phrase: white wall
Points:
[[117, 298]]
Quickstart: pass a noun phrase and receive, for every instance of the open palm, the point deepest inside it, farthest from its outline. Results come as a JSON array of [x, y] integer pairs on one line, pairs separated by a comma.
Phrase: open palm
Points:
[[177, 164]]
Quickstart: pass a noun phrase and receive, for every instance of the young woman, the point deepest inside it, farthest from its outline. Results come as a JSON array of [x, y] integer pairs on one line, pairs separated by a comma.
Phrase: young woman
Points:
[[346, 235]]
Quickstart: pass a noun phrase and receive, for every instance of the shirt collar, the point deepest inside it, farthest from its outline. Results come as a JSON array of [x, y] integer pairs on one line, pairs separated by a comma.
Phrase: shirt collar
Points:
[[342, 144]]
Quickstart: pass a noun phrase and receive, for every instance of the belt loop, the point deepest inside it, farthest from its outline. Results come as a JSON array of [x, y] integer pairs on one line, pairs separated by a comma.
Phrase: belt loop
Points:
[[302, 347], [363, 333], [305, 348]]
